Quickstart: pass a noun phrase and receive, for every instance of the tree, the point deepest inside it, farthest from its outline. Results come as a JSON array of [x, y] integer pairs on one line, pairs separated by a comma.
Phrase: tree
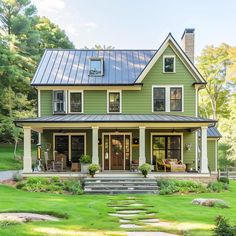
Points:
[[213, 64], [101, 47]]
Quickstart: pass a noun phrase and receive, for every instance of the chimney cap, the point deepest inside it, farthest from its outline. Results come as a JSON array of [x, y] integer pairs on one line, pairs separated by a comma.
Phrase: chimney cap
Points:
[[188, 31]]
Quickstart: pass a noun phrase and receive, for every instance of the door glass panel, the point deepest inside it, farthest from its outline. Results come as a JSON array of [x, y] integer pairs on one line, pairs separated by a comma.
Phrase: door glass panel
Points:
[[62, 146], [106, 152], [127, 152], [77, 147], [117, 152]]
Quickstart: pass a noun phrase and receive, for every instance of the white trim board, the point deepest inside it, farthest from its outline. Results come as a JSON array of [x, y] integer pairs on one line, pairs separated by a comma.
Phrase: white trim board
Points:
[[168, 134], [192, 69]]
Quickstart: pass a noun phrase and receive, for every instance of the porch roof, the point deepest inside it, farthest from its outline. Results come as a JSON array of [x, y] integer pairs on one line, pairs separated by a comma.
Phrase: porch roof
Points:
[[116, 118]]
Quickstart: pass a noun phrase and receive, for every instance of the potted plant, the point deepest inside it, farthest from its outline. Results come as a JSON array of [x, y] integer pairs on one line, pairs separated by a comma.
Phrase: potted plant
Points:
[[85, 160], [145, 169], [93, 168]]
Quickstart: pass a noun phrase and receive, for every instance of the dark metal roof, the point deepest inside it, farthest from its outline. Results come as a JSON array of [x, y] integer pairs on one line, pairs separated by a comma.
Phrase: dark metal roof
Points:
[[107, 118], [212, 132], [71, 67]]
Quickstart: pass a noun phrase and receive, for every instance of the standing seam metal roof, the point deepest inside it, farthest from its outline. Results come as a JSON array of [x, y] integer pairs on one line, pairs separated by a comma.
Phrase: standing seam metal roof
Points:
[[71, 67]]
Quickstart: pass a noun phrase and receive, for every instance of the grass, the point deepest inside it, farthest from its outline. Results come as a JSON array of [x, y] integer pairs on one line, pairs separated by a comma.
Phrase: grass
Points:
[[89, 213], [7, 161]]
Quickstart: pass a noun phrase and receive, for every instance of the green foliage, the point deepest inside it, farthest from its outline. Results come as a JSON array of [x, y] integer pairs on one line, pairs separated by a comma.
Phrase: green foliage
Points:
[[51, 185], [17, 176], [85, 159], [217, 186], [93, 168], [170, 186], [145, 169], [224, 180], [6, 223], [223, 228]]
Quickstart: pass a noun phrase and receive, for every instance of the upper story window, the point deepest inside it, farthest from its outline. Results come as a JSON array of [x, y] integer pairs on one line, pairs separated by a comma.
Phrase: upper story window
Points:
[[58, 101], [96, 67], [159, 98], [176, 99], [169, 64], [167, 98], [75, 102], [114, 102]]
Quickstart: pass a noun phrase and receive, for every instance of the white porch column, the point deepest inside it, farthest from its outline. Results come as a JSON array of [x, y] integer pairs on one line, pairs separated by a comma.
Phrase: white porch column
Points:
[[95, 145], [142, 158], [204, 159], [27, 168]]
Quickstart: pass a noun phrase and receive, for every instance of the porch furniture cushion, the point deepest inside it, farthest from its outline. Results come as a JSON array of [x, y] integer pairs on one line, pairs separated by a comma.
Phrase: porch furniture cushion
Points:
[[177, 167], [162, 163]]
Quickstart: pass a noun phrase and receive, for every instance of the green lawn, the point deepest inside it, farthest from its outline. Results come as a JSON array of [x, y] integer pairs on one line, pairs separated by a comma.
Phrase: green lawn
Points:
[[7, 161], [90, 212]]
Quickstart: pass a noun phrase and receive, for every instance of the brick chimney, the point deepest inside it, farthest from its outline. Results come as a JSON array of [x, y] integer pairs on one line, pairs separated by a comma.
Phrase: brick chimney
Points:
[[188, 43]]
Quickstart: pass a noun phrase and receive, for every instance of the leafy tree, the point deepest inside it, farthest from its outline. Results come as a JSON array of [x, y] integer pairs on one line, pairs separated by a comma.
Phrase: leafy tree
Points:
[[101, 47]]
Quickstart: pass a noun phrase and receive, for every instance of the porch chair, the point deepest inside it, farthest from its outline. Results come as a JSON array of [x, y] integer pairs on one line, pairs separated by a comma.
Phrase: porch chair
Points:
[[58, 163], [177, 166], [48, 163], [163, 163]]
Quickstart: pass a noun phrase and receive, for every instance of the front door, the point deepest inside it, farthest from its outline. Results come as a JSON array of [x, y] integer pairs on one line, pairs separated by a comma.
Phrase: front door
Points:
[[117, 152]]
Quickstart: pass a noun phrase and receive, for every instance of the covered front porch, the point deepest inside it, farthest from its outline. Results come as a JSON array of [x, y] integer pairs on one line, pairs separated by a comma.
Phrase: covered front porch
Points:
[[119, 146]]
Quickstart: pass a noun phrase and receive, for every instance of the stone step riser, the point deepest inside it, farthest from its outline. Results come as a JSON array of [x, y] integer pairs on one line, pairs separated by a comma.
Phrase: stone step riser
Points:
[[122, 192], [120, 184], [121, 188]]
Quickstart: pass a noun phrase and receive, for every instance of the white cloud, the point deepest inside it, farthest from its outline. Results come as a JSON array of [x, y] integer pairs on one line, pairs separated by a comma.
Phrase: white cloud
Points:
[[91, 25], [50, 5]]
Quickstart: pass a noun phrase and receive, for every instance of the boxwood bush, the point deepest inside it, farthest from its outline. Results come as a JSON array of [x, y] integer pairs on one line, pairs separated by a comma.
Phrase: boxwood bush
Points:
[[51, 185]]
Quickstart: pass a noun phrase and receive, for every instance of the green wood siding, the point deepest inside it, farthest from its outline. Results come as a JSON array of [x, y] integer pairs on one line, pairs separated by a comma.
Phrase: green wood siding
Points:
[[137, 102], [46, 102], [211, 152]]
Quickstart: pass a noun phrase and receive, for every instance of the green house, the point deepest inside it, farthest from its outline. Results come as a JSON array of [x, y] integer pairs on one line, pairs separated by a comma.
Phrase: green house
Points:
[[123, 108]]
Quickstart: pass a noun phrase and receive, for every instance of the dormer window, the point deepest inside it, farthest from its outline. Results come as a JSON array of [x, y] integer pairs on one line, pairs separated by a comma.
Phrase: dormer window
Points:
[[169, 64], [96, 67]]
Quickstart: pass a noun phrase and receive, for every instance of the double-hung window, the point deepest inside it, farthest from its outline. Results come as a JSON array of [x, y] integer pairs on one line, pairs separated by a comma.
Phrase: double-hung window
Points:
[[75, 102], [59, 101], [159, 99], [169, 64], [167, 98], [176, 99], [114, 102]]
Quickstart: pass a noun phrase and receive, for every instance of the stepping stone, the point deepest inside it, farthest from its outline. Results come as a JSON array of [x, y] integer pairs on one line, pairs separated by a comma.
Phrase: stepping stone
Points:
[[150, 214], [136, 204], [130, 211], [130, 226], [122, 215], [150, 220]]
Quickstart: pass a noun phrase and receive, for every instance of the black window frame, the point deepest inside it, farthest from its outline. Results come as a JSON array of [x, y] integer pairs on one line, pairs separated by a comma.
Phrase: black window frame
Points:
[[61, 103], [177, 99], [164, 64], [109, 102], [167, 149], [162, 99], [81, 98]]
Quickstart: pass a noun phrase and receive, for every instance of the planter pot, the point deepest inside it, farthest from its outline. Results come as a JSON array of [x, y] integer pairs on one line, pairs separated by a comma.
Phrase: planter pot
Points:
[[84, 168], [92, 174]]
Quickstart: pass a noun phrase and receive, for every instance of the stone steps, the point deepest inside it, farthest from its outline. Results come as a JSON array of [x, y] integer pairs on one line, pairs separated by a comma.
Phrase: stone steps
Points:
[[120, 185]]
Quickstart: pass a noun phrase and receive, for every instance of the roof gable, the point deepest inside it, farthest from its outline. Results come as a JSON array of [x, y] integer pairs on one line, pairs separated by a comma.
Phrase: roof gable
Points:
[[171, 42]]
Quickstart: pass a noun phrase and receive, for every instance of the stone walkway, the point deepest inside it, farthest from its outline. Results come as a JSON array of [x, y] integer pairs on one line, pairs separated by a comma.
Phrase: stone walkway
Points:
[[6, 175], [133, 214]]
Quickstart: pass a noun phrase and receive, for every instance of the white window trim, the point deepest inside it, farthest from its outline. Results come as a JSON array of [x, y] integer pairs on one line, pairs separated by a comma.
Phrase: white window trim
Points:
[[169, 56], [167, 97], [65, 102], [69, 142], [114, 91], [168, 134], [82, 101], [114, 133], [102, 66]]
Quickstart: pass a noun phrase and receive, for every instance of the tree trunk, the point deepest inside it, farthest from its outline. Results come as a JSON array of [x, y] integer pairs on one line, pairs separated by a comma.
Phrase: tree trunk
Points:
[[15, 148]]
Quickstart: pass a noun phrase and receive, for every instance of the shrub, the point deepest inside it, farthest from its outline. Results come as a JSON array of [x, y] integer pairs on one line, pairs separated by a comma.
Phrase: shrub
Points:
[[51, 185], [170, 186], [217, 186], [224, 180], [223, 228], [145, 169], [85, 159], [6, 223], [93, 168]]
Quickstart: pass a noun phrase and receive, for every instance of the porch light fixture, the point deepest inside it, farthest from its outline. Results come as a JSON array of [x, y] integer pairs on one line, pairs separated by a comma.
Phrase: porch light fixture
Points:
[[188, 147]]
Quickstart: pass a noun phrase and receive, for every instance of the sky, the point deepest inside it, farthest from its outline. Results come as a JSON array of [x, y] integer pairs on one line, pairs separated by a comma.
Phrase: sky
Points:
[[142, 24]]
